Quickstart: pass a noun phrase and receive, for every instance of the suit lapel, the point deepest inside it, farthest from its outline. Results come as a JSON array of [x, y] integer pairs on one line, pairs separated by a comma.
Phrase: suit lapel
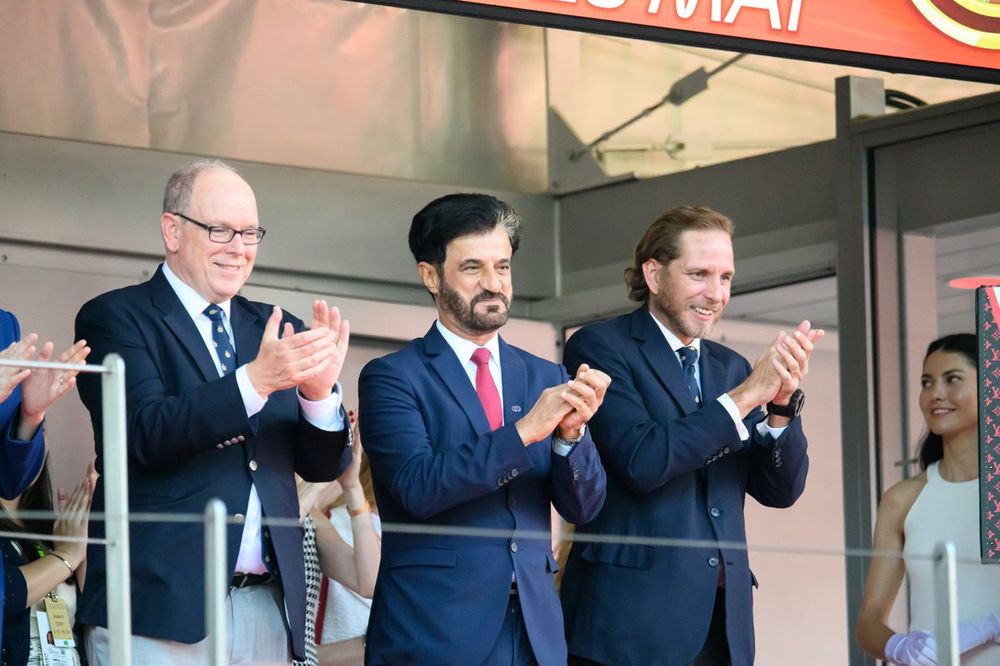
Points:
[[447, 366], [515, 383], [662, 359], [247, 330], [712, 374], [176, 318]]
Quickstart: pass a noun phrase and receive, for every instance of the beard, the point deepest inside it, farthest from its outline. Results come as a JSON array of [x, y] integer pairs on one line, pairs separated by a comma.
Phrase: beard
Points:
[[674, 314], [465, 312]]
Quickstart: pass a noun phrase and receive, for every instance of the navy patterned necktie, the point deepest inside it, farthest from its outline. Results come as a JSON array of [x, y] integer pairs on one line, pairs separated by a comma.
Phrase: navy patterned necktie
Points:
[[689, 357], [220, 340]]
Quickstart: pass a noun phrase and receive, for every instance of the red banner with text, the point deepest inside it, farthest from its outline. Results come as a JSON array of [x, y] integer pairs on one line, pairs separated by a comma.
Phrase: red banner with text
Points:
[[955, 32]]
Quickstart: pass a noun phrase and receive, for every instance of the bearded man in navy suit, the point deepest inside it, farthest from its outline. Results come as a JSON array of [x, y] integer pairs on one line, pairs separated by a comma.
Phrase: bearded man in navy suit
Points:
[[470, 434], [225, 398], [684, 441]]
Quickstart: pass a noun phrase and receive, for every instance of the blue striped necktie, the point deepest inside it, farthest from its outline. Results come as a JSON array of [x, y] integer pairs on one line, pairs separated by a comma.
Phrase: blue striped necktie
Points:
[[220, 339], [689, 357]]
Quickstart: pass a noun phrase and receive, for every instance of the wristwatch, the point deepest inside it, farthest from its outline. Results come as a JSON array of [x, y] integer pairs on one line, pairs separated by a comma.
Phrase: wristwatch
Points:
[[792, 409]]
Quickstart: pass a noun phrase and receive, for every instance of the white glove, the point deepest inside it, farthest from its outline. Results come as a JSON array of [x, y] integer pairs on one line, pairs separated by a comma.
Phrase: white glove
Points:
[[978, 631], [917, 648]]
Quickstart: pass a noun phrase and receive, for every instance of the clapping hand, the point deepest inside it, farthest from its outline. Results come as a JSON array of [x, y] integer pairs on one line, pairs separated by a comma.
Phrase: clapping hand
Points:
[[11, 376], [791, 358], [46, 385], [584, 393], [319, 385], [74, 510], [286, 358]]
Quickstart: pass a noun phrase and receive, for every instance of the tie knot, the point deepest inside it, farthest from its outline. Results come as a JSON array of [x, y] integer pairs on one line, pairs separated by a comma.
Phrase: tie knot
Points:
[[213, 312], [688, 356], [481, 356]]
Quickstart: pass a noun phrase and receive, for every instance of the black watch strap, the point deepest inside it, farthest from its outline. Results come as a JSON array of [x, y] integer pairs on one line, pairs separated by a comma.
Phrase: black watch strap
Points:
[[792, 409]]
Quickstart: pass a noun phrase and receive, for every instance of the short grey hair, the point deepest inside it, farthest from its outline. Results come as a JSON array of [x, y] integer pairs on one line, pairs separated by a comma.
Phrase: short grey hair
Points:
[[177, 195]]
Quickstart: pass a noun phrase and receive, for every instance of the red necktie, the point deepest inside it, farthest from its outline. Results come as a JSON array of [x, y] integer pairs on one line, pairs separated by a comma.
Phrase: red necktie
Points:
[[487, 389]]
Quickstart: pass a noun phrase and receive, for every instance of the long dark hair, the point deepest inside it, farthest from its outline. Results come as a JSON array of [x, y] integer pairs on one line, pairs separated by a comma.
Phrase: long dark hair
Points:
[[38, 497], [932, 445]]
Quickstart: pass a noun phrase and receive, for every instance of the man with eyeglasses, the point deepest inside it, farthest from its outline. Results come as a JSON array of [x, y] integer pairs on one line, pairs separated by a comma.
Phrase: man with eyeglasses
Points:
[[226, 398]]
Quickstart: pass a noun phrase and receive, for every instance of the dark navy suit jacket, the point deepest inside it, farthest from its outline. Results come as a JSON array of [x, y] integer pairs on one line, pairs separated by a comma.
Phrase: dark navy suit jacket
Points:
[[674, 471], [180, 417], [20, 460], [441, 596]]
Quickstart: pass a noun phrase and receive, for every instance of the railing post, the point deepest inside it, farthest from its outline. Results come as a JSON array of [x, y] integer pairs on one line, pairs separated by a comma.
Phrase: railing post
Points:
[[945, 604], [116, 510], [216, 581]]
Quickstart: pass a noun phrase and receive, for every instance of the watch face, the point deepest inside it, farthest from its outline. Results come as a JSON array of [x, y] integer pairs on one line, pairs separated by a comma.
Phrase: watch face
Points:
[[972, 22]]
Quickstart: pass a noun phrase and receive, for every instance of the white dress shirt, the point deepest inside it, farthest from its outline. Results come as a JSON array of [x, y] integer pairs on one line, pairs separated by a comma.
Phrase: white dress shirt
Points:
[[324, 414], [463, 350]]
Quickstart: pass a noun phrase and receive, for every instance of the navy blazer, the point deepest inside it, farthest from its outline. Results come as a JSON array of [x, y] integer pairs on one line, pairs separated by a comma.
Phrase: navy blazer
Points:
[[20, 461], [441, 596], [674, 471], [181, 418]]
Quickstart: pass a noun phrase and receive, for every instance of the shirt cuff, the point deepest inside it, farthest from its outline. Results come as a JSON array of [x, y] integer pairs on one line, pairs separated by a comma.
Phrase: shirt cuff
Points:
[[563, 448], [325, 414], [252, 401], [734, 414], [764, 429]]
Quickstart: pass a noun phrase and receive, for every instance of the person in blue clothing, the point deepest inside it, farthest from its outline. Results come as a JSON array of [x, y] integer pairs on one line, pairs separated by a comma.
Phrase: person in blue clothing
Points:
[[468, 432], [25, 395]]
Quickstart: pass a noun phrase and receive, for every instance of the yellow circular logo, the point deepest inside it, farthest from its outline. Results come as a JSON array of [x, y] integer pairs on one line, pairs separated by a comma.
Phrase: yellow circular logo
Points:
[[972, 22]]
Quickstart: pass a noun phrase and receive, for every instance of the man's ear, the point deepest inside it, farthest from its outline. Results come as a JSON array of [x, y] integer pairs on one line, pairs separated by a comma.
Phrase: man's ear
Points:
[[429, 276], [651, 269], [170, 227]]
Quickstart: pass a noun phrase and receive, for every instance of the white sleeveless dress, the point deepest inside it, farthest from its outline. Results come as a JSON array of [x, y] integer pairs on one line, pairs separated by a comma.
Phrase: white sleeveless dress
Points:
[[946, 511]]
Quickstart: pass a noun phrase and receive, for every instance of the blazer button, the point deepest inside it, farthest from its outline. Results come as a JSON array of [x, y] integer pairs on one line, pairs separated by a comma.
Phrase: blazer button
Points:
[[713, 561], [241, 438], [513, 472], [499, 482], [726, 450], [239, 518], [513, 546], [715, 512], [219, 446], [253, 465]]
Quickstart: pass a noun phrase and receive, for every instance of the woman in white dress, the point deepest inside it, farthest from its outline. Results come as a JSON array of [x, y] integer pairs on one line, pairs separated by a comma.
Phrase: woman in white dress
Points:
[[939, 504]]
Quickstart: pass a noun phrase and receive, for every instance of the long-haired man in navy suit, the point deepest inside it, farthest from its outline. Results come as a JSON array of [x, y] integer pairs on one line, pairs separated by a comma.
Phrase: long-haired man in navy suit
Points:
[[470, 434], [225, 398], [684, 440]]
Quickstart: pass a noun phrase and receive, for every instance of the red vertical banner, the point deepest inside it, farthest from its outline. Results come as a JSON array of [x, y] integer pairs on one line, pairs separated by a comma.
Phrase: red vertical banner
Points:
[[988, 331]]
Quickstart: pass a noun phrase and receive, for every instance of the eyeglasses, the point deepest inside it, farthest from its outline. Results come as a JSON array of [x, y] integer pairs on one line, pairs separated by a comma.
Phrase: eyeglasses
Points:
[[223, 234]]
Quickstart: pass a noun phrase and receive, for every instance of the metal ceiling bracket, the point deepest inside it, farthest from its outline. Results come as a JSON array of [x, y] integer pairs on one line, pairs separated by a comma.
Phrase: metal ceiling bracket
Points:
[[572, 167]]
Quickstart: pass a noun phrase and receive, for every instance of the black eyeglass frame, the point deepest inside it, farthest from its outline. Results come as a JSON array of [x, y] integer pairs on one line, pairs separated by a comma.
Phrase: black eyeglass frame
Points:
[[255, 239]]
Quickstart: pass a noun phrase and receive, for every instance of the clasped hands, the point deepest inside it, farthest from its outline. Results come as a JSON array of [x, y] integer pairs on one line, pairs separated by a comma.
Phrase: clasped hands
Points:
[[310, 360], [780, 370], [566, 407], [40, 387]]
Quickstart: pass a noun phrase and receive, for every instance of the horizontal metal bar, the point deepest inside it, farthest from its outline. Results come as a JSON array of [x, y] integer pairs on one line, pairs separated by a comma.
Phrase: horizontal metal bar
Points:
[[541, 535], [19, 363]]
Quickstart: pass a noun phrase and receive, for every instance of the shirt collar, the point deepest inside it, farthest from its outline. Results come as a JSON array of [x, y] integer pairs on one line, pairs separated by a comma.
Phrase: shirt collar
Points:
[[193, 302], [463, 348], [672, 340]]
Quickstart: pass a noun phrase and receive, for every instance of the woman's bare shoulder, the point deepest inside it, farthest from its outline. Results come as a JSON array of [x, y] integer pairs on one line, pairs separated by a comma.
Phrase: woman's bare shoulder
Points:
[[901, 496]]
